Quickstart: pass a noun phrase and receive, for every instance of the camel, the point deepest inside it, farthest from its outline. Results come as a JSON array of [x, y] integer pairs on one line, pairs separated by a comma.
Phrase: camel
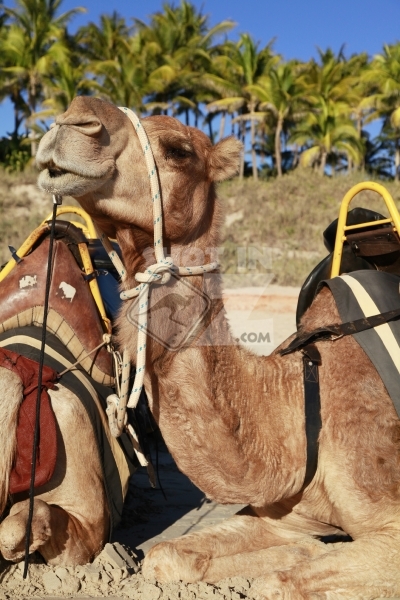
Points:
[[70, 519], [234, 422], [74, 508]]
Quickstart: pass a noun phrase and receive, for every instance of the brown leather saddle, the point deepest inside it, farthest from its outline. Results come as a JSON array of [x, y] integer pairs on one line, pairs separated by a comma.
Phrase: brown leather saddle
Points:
[[73, 316], [374, 248]]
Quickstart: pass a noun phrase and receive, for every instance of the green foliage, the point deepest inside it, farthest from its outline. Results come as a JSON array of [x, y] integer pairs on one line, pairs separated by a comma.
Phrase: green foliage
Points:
[[287, 113], [14, 154]]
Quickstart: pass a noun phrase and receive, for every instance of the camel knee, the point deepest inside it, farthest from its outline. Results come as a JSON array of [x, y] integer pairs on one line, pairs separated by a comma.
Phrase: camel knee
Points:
[[279, 586], [165, 563], [13, 529]]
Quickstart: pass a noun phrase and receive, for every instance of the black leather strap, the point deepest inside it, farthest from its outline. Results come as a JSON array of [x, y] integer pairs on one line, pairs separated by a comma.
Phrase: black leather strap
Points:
[[311, 361], [339, 329]]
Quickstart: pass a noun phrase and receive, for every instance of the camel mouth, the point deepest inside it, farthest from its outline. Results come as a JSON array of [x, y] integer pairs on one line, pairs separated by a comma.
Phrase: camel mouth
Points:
[[57, 172], [55, 180]]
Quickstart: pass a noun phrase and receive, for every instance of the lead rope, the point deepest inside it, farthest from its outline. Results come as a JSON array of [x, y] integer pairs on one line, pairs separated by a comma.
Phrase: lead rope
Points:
[[159, 273], [56, 201]]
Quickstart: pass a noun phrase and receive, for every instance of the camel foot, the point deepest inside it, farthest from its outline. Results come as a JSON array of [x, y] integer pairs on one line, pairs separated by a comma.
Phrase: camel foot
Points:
[[165, 564], [281, 586], [13, 529], [278, 586], [286, 585]]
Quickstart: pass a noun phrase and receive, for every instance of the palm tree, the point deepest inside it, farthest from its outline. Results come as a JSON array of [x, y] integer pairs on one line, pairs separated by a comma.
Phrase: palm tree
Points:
[[124, 80], [223, 84], [104, 42], [33, 44], [331, 79], [118, 60], [384, 75], [11, 87], [66, 81], [329, 132], [332, 93], [182, 44], [357, 66], [244, 65], [281, 94]]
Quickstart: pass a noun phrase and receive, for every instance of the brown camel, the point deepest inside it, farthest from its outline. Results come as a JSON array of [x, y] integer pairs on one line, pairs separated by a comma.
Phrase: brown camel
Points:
[[75, 504], [234, 422], [71, 520]]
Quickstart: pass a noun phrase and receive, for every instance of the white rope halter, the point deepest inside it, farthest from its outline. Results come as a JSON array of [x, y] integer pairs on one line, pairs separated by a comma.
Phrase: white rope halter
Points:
[[159, 273]]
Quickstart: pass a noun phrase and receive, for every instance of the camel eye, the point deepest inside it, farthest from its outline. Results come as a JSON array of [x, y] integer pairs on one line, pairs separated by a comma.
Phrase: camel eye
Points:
[[177, 153]]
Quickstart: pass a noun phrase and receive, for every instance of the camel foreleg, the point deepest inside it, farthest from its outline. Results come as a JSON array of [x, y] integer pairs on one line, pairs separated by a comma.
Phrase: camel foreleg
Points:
[[13, 529], [56, 534], [364, 569], [242, 545]]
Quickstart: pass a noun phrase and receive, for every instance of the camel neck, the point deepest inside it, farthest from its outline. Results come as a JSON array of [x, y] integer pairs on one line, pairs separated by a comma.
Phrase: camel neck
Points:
[[218, 406], [215, 402]]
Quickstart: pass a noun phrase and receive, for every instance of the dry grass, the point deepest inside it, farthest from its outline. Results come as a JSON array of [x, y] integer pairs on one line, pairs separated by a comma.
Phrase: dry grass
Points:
[[285, 218], [273, 229], [22, 207]]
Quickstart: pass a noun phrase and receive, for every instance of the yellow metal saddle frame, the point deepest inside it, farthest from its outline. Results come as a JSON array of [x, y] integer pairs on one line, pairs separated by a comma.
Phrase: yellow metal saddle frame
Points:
[[343, 229], [89, 231]]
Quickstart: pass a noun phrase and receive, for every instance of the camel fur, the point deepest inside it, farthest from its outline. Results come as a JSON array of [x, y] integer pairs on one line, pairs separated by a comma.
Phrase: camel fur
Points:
[[71, 520], [234, 422]]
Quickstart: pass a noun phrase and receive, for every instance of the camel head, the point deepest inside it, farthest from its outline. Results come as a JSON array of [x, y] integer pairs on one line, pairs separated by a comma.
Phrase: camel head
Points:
[[92, 153]]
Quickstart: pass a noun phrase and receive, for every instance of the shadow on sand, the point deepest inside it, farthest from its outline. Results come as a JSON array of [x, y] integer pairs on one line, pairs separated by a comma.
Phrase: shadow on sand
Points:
[[146, 512]]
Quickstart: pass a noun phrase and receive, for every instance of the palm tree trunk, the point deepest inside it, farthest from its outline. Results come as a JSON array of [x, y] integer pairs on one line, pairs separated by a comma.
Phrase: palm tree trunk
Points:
[[361, 166], [222, 126], [295, 156], [253, 143], [278, 152], [17, 121], [324, 156], [359, 125], [32, 107], [241, 137], [210, 130]]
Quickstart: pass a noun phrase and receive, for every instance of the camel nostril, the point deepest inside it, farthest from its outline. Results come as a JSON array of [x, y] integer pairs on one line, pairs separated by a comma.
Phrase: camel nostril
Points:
[[87, 124], [92, 127]]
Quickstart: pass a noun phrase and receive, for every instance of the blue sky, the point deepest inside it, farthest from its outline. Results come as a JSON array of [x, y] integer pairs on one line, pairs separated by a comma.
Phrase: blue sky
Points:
[[299, 26]]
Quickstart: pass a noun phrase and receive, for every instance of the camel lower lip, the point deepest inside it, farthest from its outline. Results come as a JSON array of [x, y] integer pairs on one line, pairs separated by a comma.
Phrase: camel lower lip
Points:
[[58, 181], [60, 175]]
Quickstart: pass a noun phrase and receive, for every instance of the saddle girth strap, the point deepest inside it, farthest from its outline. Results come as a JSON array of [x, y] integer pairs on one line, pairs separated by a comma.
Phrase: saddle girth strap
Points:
[[312, 406], [339, 330]]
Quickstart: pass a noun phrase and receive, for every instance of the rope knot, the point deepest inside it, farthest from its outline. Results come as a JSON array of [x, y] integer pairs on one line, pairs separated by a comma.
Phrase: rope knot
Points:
[[158, 273]]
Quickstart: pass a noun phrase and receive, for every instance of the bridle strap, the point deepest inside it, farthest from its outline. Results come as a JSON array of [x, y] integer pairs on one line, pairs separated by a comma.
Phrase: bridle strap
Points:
[[159, 273]]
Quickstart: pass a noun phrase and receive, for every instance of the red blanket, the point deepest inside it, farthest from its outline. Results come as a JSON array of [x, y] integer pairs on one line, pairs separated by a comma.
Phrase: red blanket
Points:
[[28, 371]]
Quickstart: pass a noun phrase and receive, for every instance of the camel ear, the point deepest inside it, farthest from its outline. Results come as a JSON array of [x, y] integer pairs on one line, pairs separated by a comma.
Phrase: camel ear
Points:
[[224, 159]]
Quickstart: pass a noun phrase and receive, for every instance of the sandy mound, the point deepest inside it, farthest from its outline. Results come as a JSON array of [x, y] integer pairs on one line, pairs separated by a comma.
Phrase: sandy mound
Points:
[[104, 578]]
